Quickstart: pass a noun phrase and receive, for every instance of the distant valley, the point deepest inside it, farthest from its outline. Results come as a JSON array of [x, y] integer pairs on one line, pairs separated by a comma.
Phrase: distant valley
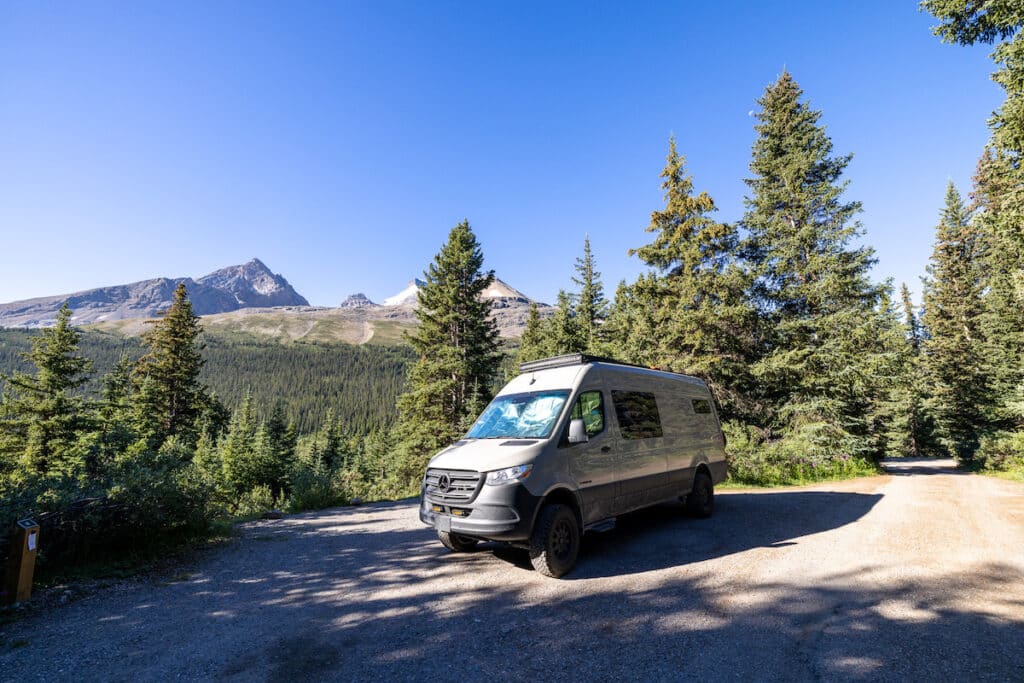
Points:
[[250, 299]]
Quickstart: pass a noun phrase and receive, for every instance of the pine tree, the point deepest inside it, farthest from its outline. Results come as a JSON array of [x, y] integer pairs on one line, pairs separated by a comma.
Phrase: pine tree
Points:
[[115, 413], [276, 443], [909, 428], [628, 333], [170, 397], [564, 331], [457, 342], [42, 415], [238, 450], [962, 397], [910, 320], [591, 307], [331, 443], [532, 343], [703, 325], [812, 286], [999, 202]]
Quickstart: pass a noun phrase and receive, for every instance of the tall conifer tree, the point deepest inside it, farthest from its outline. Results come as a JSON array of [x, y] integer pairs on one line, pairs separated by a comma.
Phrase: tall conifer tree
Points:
[[702, 323], [170, 397], [457, 342], [532, 343], [42, 414], [962, 396], [812, 284], [591, 306]]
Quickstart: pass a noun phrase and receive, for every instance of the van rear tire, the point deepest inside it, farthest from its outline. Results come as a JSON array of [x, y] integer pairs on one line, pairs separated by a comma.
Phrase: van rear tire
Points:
[[701, 500], [555, 542], [456, 542]]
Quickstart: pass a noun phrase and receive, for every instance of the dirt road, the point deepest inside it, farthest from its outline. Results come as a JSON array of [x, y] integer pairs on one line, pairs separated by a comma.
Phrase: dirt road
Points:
[[918, 575]]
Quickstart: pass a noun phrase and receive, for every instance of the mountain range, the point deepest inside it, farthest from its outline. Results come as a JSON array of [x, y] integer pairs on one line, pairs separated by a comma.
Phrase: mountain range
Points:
[[246, 286], [251, 298]]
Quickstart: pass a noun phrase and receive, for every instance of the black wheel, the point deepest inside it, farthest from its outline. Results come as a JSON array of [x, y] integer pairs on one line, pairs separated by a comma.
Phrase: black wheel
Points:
[[701, 500], [555, 541], [456, 542]]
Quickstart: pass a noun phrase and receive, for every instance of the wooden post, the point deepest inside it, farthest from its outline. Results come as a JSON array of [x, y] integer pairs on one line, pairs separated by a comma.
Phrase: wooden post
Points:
[[22, 563]]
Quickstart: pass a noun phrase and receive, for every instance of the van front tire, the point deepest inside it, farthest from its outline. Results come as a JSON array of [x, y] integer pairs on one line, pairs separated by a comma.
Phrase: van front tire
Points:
[[701, 500], [455, 542], [555, 542]]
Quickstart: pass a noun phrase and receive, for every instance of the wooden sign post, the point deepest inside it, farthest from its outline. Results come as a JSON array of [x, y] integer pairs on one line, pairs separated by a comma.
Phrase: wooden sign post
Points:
[[22, 563]]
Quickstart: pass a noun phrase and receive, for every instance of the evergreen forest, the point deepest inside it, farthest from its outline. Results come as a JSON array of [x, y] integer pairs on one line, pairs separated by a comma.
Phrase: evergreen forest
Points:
[[818, 370]]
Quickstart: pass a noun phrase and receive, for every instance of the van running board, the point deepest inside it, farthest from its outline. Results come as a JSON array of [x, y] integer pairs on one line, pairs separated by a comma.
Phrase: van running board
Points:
[[603, 525]]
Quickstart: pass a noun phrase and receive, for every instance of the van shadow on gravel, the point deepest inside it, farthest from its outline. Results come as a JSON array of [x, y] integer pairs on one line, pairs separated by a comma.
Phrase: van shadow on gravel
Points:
[[663, 536]]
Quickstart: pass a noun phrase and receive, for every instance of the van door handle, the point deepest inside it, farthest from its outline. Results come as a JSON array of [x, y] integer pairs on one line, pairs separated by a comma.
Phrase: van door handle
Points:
[[605, 449]]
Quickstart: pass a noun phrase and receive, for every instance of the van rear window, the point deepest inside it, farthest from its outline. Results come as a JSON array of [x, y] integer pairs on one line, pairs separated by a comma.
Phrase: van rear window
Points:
[[638, 416]]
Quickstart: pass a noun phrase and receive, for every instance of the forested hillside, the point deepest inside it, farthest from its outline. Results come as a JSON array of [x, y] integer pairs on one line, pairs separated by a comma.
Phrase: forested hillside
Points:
[[358, 383]]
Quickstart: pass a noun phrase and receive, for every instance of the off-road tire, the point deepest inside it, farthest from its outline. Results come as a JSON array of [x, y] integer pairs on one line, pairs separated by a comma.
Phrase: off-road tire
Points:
[[457, 543], [555, 542], [700, 502]]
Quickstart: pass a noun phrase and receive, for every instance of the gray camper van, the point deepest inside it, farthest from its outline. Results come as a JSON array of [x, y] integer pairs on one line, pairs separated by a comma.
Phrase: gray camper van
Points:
[[568, 445]]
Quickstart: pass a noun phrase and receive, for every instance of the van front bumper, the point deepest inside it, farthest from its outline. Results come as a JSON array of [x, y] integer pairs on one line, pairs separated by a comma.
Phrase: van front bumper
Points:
[[498, 513]]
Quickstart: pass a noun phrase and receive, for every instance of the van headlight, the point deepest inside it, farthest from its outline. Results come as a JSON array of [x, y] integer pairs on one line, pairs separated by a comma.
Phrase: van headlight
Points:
[[509, 475]]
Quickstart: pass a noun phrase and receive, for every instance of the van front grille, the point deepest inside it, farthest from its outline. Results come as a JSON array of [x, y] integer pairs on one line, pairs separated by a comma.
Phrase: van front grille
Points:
[[452, 486]]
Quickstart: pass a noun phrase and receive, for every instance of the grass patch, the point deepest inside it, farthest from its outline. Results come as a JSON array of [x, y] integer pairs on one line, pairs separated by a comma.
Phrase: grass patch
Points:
[[1009, 475]]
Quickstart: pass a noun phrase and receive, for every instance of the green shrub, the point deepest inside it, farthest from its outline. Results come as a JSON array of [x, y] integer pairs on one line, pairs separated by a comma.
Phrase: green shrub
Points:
[[256, 501], [1002, 452], [814, 453], [313, 488]]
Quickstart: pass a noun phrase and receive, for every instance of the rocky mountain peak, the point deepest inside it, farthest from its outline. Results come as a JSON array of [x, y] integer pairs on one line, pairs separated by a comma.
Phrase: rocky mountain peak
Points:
[[253, 284], [358, 300]]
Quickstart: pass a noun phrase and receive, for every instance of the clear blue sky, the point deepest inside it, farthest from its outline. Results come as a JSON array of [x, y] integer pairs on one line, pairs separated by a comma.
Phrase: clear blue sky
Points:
[[339, 142]]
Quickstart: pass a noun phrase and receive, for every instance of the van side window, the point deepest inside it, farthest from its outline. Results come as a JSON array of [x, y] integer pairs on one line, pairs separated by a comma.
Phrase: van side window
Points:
[[701, 405], [638, 414], [590, 408]]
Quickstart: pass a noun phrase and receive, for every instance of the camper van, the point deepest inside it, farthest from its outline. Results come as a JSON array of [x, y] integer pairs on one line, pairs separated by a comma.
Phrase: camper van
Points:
[[568, 445]]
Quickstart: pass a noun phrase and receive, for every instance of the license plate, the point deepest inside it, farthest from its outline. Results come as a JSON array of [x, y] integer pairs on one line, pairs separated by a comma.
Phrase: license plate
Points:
[[444, 523]]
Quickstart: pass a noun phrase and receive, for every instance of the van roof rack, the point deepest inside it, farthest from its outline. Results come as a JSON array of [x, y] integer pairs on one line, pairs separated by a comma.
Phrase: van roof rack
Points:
[[566, 360]]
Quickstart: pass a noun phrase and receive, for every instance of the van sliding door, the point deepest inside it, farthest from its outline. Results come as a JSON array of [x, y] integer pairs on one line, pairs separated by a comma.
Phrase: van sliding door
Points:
[[643, 469]]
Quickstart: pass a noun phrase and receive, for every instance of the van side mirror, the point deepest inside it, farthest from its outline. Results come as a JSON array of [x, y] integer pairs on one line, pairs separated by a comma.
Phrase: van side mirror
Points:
[[578, 431]]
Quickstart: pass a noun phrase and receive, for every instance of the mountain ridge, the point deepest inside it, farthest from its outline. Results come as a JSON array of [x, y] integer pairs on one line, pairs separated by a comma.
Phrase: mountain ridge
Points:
[[251, 284]]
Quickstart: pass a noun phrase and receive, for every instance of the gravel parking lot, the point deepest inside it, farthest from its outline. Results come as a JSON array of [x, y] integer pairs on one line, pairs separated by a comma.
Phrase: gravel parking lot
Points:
[[919, 575]]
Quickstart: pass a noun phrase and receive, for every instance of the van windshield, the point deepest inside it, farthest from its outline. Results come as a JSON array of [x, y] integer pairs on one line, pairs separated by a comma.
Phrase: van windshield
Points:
[[525, 416]]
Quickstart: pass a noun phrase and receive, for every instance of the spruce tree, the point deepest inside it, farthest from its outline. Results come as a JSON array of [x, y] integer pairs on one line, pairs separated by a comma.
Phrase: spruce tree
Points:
[[629, 332], [962, 397], [170, 397], [276, 443], [591, 306], [331, 443], [564, 331], [457, 342], [909, 429], [42, 415], [702, 323], [532, 343], [999, 202], [812, 285], [238, 451]]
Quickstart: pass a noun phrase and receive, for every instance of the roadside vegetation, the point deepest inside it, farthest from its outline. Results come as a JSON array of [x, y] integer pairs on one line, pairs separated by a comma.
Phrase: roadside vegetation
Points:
[[818, 371]]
